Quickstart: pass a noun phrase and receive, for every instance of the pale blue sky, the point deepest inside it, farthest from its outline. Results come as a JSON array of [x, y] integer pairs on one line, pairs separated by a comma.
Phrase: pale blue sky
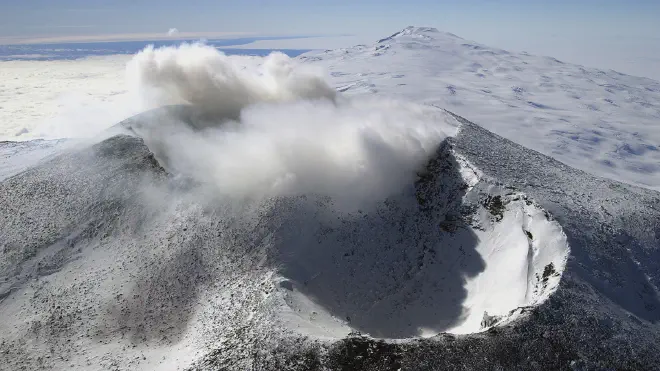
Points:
[[589, 30], [33, 17]]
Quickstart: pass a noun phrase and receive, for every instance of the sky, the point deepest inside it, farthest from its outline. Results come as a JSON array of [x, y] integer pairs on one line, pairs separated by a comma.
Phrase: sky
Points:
[[617, 34]]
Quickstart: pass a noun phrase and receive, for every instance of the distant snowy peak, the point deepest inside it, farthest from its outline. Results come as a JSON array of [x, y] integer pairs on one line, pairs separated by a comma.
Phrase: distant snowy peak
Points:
[[450, 49], [426, 33], [603, 122], [411, 30]]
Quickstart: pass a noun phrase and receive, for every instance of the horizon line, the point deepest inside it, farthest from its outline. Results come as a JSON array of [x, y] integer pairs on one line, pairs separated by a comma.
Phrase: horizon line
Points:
[[146, 36]]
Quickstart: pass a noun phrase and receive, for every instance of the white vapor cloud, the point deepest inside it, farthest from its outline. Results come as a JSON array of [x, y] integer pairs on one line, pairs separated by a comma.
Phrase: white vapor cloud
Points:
[[220, 85], [172, 32], [275, 127]]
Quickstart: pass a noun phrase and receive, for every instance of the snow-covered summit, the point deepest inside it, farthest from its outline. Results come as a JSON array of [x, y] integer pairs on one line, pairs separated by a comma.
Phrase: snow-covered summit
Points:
[[604, 122], [419, 32]]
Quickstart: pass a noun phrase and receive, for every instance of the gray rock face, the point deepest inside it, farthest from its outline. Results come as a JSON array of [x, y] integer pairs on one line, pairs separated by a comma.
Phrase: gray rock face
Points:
[[105, 257]]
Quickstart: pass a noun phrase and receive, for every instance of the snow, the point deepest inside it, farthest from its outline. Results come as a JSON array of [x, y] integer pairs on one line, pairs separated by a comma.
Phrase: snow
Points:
[[602, 122], [514, 256], [18, 156], [517, 251]]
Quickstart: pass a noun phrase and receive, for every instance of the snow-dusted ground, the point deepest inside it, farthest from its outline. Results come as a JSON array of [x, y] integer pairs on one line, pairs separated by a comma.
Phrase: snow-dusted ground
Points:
[[16, 157], [121, 266], [110, 264]]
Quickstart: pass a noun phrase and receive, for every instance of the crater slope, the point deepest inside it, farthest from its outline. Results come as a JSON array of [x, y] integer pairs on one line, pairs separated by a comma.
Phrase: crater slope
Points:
[[457, 253]]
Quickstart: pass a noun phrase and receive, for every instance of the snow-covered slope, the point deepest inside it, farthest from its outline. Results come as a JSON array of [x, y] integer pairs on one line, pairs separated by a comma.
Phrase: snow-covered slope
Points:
[[602, 122], [117, 254], [111, 263]]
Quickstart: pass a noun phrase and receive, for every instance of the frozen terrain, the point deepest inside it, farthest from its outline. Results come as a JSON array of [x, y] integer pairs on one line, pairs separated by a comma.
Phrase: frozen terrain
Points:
[[603, 122], [261, 219]]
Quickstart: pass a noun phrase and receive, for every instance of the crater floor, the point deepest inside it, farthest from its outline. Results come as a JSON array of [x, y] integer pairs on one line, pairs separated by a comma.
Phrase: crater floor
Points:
[[457, 255]]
